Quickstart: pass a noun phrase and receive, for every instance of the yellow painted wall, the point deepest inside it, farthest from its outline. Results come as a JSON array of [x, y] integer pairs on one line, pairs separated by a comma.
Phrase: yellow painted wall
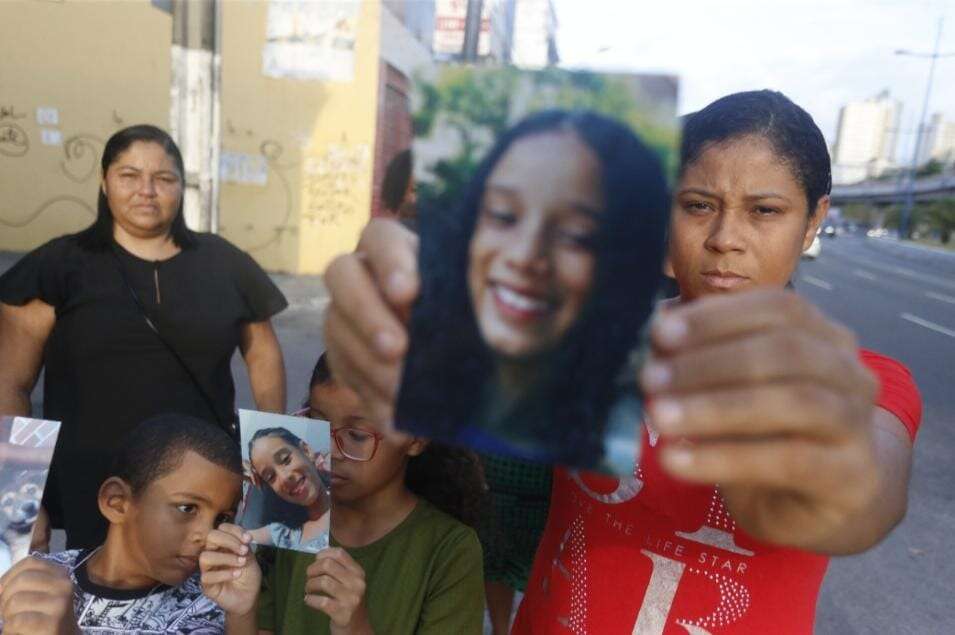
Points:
[[318, 141], [103, 66]]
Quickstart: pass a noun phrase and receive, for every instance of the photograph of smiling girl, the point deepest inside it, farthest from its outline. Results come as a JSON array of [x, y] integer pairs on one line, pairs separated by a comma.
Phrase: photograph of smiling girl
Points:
[[26, 449], [286, 500], [542, 203]]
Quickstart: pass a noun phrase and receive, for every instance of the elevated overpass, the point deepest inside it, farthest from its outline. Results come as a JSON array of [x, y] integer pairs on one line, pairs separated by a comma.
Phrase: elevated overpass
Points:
[[893, 191]]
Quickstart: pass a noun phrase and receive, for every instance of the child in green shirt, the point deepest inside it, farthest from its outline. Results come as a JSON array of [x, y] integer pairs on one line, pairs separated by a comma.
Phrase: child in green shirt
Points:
[[403, 558]]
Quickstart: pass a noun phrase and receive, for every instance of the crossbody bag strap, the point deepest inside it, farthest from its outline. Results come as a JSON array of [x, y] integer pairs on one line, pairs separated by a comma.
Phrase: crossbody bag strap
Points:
[[225, 425]]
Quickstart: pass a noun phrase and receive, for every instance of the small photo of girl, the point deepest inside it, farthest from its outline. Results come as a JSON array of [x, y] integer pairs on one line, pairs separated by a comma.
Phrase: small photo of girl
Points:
[[286, 502]]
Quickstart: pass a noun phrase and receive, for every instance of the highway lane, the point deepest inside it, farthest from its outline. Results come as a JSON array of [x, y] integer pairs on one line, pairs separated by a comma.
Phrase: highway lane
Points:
[[900, 301]]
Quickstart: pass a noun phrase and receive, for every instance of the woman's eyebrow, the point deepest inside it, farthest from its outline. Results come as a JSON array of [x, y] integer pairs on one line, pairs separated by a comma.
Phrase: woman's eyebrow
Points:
[[760, 195], [698, 191]]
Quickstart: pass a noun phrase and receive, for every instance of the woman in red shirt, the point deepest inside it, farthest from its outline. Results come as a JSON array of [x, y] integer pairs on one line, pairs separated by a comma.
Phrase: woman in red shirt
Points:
[[750, 387]]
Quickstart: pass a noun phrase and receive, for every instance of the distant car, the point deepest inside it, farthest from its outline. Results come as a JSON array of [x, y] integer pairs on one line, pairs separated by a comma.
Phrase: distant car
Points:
[[813, 251], [829, 231], [877, 232]]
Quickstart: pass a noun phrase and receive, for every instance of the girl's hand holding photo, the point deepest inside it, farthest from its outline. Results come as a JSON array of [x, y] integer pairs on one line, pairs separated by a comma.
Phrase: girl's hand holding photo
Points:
[[335, 585]]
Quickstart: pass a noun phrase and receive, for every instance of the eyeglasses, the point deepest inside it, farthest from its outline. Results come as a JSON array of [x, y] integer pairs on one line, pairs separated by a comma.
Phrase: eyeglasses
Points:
[[355, 444]]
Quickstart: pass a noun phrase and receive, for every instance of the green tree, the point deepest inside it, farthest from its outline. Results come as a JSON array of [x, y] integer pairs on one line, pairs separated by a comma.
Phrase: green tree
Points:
[[481, 103], [940, 216]]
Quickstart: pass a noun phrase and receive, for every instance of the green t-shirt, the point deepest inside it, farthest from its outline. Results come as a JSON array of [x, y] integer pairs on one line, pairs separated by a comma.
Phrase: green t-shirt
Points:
[[425, 576]]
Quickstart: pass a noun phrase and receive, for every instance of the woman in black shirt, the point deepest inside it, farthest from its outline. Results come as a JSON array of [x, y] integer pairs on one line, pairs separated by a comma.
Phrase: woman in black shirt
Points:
[[132, 317]]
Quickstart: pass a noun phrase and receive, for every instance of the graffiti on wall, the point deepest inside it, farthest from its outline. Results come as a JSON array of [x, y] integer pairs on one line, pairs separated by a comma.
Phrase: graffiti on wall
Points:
[[333, 181], [78, 163]]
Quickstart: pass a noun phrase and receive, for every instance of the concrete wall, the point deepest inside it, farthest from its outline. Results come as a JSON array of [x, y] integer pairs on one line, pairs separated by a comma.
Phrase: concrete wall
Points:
[[317, 141], [93, 68]]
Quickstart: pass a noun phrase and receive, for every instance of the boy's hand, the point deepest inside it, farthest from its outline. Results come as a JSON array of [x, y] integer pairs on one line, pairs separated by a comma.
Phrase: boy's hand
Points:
[[776, 408], [335, 585], [372, 291], [230, 573], [37, 599]]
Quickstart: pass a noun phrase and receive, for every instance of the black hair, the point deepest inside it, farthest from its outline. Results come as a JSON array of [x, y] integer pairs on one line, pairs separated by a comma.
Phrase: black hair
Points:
[[321, 374], [274, 507], [99, 235], [769, 114], [156, 447], [449, 478], [394, 185], [448, 359]]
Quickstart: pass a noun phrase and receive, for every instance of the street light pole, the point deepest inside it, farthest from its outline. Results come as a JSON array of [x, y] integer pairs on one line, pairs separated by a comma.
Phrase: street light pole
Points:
[[913, 167]]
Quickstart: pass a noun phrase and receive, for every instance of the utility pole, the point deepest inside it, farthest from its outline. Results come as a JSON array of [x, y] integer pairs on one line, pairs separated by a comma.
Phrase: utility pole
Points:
[[194, 113], [472, 30], [906, 215]]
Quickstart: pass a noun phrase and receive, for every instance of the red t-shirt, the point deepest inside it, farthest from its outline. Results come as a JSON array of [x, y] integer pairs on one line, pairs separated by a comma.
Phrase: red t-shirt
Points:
[[653, 555]]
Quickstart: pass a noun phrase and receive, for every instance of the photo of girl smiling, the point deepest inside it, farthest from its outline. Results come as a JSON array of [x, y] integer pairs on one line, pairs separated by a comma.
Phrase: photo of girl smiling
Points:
[[288, 504], [540, 281]]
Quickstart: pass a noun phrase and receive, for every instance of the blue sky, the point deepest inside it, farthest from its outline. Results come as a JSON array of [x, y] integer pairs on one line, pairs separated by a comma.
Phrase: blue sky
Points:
[[821, 53]]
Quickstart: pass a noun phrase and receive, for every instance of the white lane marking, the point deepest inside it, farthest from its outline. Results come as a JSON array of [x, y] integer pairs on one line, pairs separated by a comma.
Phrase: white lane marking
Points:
[[939, 296], [822, 284], [864, 274], [902, 271], [929, 325]]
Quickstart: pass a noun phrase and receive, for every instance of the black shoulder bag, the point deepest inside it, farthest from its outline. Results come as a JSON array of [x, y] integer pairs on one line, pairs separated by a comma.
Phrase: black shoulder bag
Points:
[[228, 426]]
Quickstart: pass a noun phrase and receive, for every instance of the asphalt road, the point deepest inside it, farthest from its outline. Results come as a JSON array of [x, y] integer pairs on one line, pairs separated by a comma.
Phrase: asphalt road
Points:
[[900, 301]]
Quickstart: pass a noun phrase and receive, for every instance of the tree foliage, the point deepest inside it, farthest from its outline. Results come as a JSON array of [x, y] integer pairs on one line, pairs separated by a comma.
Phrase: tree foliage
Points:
[[479, 104]]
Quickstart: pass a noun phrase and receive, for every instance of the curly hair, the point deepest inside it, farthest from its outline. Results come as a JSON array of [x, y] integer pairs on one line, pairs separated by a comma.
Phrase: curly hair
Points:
[[448, 360], [450, 478]]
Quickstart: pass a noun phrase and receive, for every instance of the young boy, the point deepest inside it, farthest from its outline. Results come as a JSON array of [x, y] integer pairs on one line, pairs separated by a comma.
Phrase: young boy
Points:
[[401, 561], [175, 480]]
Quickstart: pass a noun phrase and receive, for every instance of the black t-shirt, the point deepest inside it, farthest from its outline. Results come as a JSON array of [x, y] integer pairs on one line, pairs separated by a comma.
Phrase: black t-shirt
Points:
[[106, 370]]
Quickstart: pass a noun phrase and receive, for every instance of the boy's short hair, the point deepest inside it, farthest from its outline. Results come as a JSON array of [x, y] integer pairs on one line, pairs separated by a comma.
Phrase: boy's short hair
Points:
[[156, 447]]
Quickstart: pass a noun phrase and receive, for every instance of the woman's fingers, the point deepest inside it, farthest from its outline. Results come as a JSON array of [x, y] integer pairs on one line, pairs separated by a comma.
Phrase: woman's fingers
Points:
[[356, 296], [391, 252], [354, 364], [757, 358], [781, 408], [787, 464], [725, 317]]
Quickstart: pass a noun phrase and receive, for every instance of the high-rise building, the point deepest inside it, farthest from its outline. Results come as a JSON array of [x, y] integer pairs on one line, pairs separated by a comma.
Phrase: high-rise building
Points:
[[866, 138], [938, 141], [534, 43]]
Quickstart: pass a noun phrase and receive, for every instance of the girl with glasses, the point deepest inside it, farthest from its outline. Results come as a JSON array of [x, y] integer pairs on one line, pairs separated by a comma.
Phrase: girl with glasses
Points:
[[403, 558]]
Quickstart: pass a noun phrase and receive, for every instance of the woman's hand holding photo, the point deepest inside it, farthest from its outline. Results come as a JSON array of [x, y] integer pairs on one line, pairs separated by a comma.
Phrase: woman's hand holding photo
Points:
[[769, 399], [335, 585], [372, 291], [230, 574]]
